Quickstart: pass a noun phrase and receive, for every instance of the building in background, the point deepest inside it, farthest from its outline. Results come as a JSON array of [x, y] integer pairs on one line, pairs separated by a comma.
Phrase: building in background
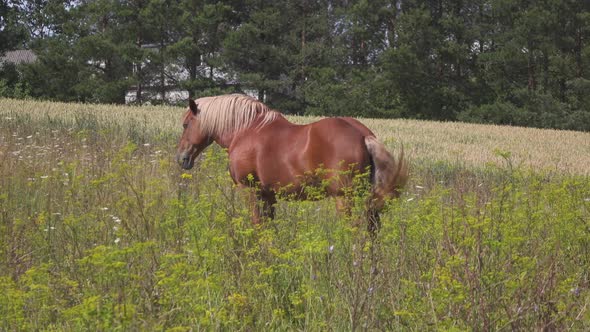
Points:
[[18, 57]]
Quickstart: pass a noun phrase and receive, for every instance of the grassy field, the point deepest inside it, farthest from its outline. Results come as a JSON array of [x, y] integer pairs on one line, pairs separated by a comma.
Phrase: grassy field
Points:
[[101, 230]]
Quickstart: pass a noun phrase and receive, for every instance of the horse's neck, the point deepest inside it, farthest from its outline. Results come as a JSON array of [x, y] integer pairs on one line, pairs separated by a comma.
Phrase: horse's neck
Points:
[[225, 140]]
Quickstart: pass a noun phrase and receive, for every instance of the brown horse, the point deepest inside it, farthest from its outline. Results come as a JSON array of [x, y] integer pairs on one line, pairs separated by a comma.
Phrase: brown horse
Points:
[[268, 154]]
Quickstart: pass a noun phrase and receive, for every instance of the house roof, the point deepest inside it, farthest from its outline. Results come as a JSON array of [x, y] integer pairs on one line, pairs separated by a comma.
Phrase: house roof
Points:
[[19, 56]]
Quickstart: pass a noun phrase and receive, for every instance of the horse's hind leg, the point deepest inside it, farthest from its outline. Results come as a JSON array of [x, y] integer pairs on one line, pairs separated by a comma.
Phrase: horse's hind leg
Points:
[[374, 221], [374, 205]]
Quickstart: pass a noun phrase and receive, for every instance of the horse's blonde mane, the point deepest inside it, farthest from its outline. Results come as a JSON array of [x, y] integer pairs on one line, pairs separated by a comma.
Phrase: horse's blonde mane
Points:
[[228, 113]]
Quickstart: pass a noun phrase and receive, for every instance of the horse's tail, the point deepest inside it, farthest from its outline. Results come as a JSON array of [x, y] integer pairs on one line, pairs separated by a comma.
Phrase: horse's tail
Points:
[[389, 174]]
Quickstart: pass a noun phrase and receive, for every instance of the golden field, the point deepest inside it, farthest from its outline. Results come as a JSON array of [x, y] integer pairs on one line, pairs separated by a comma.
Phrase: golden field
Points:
[[466, 144]]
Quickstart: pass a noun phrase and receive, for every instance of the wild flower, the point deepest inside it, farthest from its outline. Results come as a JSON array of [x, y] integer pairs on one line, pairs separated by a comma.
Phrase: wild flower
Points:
[[575, 291]]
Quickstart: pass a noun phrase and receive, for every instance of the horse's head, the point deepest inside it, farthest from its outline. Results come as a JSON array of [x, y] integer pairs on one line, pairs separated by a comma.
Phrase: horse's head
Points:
[[193, 141]]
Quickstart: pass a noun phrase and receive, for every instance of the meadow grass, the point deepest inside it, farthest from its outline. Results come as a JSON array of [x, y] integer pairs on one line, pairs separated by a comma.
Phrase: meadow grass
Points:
[[101, 230]]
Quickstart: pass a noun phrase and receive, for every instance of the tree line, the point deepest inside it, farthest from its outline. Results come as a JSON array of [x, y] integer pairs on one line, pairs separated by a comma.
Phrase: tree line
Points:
[[519, 62]]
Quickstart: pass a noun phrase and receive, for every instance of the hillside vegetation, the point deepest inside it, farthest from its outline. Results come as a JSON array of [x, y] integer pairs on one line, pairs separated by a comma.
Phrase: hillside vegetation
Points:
[[101, 230]]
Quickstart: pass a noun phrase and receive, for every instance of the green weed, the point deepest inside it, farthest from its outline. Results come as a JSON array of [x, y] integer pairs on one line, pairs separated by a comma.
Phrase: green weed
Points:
[[101, 230]]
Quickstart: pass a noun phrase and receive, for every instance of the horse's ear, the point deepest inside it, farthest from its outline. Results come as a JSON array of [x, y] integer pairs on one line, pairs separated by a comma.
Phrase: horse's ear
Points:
[[193, 106]]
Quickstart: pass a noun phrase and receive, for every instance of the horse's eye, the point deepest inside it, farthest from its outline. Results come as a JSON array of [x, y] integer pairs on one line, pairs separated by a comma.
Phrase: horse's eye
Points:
[[184, 125]]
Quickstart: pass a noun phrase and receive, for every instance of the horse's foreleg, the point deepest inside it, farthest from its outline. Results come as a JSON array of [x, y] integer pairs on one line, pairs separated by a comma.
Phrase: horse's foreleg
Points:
[[268, 205], [343, 207], [261, 205], [254, 206]]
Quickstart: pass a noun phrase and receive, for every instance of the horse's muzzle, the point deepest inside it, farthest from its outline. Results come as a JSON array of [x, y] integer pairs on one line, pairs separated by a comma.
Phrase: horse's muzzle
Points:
[[185, 161]]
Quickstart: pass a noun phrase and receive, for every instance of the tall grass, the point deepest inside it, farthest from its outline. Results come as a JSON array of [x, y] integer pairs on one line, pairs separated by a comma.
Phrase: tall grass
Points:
[[100, 230]]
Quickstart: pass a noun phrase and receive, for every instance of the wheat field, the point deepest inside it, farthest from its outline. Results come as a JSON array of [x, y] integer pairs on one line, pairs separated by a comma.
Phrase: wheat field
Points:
[[467, 144]]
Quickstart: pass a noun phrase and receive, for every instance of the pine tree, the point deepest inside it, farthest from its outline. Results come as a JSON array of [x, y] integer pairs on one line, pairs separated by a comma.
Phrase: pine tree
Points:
[[201, 28], [256, 51], [11, 33]]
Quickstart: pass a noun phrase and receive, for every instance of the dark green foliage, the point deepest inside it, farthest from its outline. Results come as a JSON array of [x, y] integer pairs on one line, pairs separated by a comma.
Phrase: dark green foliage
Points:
[[11, 34], [528, 108], [494, 61]]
